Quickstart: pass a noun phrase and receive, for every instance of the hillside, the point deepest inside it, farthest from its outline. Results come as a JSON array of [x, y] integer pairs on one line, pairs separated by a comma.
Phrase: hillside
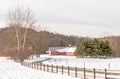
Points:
[[42, 40], [39, 41], [115, 44]]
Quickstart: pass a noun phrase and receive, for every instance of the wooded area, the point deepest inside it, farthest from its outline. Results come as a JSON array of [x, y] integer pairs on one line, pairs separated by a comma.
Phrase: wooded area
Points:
[[37, 42], [42, 40]]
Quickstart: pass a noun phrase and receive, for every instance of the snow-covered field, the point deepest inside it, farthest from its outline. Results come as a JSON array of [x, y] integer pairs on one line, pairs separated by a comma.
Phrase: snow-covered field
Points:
[[12, 70], [113, 63]]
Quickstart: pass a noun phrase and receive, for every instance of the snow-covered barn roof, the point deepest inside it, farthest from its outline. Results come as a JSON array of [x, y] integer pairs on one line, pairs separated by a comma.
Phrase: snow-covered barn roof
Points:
[[62, 49]]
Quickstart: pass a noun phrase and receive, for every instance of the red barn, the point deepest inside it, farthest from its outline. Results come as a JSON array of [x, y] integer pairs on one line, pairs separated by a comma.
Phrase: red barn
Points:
[[68, 51]]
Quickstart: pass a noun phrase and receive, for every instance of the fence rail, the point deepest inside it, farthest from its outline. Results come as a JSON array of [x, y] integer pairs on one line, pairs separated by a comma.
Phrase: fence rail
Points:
[[83, 73]]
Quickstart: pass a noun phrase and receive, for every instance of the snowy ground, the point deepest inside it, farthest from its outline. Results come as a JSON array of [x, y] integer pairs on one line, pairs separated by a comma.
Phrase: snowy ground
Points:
[[81, 62], [12, 70], [112, 65]]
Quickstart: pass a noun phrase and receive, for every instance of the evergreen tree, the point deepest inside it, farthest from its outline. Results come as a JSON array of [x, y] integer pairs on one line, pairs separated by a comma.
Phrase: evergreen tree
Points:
[[93, 48]]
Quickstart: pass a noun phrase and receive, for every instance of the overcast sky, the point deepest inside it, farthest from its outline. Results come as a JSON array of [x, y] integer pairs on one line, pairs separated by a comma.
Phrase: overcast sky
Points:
[[92, 18]]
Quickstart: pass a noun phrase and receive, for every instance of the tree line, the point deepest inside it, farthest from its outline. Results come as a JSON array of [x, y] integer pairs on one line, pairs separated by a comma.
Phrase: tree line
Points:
[[36, 42]]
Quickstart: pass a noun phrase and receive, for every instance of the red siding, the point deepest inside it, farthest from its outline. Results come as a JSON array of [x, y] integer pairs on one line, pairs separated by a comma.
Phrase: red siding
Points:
[[61, 53], [70, 53]]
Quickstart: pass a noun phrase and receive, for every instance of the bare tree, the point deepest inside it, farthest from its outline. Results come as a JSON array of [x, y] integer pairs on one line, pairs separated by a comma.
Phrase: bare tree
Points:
[[20, 17]]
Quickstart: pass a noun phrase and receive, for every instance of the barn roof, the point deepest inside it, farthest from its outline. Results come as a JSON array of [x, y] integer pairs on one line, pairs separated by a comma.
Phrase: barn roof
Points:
[[62, 49]]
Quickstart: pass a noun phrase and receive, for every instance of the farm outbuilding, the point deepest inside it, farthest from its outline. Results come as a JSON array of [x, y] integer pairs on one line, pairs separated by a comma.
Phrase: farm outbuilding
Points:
[[68, 51]]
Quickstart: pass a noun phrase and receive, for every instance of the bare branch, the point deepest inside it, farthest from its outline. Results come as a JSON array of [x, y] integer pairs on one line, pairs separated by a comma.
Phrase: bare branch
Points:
[[20, 17]]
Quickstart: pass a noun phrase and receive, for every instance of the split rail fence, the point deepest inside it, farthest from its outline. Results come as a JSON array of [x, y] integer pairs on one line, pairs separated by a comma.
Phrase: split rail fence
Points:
[[83, 73]]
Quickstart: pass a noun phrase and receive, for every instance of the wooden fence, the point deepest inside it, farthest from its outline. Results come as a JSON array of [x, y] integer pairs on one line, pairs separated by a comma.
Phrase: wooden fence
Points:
[[83, 73]]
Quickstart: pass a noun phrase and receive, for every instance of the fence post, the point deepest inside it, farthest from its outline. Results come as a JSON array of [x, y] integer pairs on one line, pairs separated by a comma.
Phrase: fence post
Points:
[[56, 68], [37, 65], [40, 66], [28, 64], [52, 67], [23, 63], [75, 71], [94, 73], [68, 70], [84, 73], [47, 68], [105, 73], [44, 67], [32, 65], [62, 69]]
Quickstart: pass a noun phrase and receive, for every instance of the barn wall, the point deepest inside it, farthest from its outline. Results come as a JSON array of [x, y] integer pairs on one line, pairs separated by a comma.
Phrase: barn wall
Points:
[[70, 53]]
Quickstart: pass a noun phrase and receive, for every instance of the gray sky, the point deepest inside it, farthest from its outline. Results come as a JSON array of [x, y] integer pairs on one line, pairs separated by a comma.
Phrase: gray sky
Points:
[[92, 18]]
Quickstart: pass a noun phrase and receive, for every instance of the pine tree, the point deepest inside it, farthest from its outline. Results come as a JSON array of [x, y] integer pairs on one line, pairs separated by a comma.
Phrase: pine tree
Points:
[[93, 48]]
